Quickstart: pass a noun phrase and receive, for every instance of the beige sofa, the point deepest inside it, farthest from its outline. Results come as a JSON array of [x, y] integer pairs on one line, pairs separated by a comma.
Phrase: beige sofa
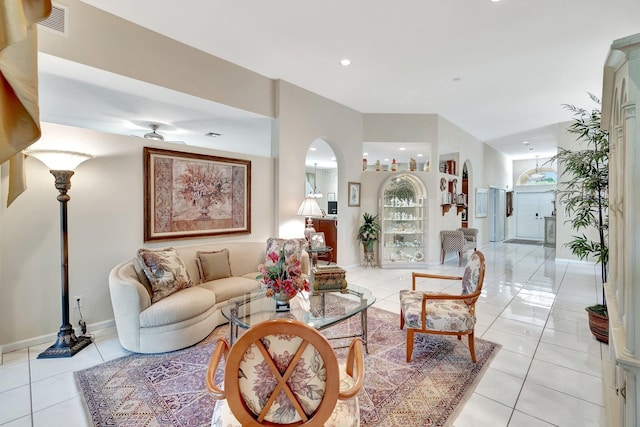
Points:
[[189, 315]]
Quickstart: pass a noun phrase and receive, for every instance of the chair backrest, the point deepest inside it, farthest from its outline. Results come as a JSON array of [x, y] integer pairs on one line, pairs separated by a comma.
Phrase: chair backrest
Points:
[[471, 234], [281, 372], [473, 277], [452, 240]]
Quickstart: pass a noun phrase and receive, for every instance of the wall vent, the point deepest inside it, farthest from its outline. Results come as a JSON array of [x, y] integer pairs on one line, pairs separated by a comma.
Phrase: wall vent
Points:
[[57, 21]]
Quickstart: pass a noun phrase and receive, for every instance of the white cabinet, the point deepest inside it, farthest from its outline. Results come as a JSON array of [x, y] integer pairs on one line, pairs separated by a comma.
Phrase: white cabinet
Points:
[[402, 216]]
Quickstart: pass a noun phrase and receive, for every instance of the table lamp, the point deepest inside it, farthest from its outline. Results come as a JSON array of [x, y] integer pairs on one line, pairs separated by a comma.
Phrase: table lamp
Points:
[[309, 208]]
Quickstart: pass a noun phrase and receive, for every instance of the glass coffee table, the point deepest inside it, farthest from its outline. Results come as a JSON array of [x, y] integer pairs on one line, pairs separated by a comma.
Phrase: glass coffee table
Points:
[[320, 309]]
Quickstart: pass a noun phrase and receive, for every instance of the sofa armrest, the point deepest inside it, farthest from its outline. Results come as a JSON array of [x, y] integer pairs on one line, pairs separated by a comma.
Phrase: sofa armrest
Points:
[[128, 299], [305, 264]]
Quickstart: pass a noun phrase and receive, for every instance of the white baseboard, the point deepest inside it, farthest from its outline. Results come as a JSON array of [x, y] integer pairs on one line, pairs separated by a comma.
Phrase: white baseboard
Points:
[[49, 338], [575, 261]]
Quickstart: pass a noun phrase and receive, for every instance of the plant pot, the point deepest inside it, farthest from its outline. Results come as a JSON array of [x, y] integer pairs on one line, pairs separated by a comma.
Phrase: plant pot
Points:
[[599, 325]]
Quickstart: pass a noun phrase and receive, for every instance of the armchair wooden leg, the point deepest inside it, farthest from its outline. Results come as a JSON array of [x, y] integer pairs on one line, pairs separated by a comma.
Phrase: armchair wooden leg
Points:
[[401, 319], [472, 349], [442, 256], [409, 344]]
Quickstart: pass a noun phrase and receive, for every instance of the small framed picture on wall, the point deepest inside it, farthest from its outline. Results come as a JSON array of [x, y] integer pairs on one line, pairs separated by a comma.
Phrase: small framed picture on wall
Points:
[[354, 194]]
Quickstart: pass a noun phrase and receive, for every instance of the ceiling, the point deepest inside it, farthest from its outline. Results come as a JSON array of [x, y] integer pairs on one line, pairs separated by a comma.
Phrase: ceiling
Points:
[[499, 70]]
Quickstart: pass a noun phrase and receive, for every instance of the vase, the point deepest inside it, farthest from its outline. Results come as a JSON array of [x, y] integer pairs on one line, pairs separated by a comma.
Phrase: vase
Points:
[[368, 253], [203, 203], [599, 326], [282, 301]]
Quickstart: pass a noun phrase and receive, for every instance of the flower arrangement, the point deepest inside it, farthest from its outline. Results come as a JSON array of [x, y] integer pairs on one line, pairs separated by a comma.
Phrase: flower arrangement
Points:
[[282, 276], [199, 181]]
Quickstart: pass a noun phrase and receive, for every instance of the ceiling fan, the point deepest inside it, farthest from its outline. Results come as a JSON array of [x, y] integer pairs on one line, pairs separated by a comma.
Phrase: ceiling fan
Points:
[[154, 135]]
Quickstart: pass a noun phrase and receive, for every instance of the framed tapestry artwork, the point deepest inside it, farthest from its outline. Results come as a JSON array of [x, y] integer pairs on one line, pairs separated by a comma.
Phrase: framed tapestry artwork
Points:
[[354, 194], [481, 202], [193, 195]]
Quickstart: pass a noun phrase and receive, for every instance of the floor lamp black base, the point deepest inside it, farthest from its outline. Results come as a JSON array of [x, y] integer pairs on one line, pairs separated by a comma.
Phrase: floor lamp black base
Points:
[[67, 344]]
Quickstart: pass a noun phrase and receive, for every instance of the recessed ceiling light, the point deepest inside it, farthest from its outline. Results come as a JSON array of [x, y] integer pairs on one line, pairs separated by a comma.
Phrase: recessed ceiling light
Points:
[[312, 149], [419, 155], [345, 62], [402, 148], [526, 142], [365, 154], [386, 160], [494, 1]]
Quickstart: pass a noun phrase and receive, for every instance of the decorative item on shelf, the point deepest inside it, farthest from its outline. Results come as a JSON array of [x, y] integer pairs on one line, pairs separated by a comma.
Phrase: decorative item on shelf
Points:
[[451, 167], [282, 277], [377, 165], [412, 164], [394, 165], [368, 234], [426, 167], [364, 164], [61, 165]]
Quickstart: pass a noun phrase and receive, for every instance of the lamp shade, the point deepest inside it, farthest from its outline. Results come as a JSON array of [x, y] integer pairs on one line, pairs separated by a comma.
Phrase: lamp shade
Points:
[[309, 207], [58, 159]]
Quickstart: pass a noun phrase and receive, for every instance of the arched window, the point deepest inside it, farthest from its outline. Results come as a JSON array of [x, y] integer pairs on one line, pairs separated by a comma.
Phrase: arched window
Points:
[[538, 176]]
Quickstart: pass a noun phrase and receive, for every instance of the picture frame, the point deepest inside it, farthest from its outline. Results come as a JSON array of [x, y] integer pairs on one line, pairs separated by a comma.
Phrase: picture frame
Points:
[[354, 194], [190, 195], [317, 240], [482, 195]]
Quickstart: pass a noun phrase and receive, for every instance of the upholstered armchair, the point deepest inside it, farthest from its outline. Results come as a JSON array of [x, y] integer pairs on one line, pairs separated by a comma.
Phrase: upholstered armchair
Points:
[[443, 314], [284, 372], [460, 241], [471, 235]]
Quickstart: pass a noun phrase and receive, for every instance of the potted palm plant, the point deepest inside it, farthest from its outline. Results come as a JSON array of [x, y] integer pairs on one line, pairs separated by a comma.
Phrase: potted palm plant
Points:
[[584, 195], [368, 233]]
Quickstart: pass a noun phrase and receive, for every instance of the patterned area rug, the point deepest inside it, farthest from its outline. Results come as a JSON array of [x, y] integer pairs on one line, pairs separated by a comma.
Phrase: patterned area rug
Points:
[[168, 389]]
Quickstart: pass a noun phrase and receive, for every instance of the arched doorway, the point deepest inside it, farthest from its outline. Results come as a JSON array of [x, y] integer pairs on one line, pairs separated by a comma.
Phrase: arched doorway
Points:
[[321, 181]]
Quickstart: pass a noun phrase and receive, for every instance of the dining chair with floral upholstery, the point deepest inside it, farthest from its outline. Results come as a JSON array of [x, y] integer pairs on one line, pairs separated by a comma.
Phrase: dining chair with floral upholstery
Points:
[[284, 372], [440, 313]]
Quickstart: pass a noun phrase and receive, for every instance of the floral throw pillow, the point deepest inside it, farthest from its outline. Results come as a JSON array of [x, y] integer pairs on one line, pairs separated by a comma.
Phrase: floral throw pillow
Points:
[[165, 270], [290, 247]]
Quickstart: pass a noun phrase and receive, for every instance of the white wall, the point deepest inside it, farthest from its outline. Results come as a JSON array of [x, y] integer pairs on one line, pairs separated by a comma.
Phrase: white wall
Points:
[[302, 117], [105, 220]]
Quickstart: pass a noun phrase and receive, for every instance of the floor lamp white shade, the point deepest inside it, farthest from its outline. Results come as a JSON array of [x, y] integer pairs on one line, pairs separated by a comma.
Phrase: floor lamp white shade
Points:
[[58, 160]]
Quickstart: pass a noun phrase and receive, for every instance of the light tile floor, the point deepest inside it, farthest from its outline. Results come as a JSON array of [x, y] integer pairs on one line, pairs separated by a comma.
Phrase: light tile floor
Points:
[[546, 374]]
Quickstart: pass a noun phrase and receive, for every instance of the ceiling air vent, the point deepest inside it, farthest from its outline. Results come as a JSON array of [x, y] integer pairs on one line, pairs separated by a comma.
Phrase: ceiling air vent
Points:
[[57, 21]]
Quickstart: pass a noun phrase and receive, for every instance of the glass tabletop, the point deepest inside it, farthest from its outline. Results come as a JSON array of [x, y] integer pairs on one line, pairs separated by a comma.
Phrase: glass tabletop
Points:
[[319, 309]]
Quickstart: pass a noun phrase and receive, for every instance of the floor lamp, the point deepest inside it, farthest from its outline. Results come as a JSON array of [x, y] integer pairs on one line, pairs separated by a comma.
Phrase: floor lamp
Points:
[[61, 165]]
